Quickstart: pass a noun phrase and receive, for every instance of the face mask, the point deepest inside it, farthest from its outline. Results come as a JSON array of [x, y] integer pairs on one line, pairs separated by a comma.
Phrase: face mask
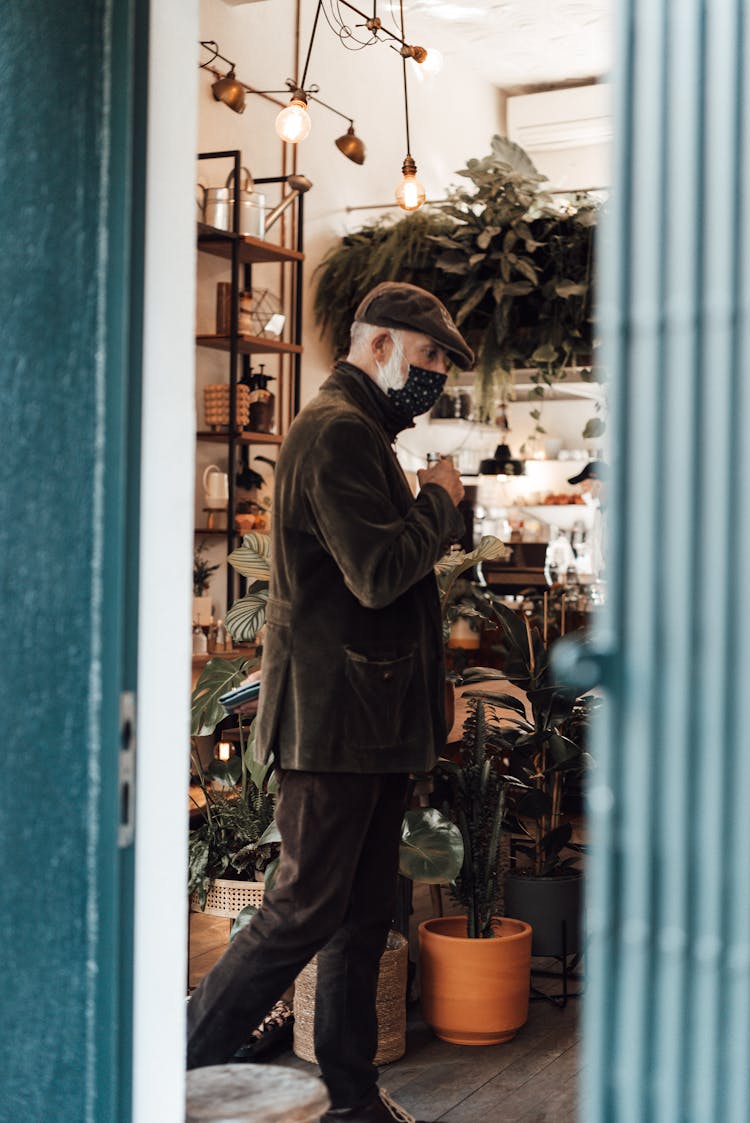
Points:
[[419, 393]]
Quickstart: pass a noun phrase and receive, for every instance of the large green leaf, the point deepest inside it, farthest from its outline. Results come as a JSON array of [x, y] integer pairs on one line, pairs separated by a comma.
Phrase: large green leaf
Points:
[[247, 616], [432, 849], [242, 919], [270, 834], [252, 558], [217, 677]]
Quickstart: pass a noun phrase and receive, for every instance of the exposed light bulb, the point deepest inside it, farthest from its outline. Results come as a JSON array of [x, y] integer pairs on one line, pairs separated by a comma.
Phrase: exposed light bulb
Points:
[[433, 63], [293, 123], [410, 194]]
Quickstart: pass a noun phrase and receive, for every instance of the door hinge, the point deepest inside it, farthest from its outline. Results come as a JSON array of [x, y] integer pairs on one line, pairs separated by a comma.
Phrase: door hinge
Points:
[[126, 830]]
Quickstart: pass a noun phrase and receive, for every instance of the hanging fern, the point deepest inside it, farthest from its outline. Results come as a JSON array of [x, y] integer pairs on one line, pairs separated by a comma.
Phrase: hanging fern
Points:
[[382, 251], [513, 266]]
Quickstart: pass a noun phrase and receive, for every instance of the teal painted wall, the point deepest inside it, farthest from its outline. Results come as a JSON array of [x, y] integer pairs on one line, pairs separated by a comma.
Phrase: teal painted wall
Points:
[[67, 434]]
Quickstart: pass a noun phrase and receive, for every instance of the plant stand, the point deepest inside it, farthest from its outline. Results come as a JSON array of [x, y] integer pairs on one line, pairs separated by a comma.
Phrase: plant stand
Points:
[[567, 974]]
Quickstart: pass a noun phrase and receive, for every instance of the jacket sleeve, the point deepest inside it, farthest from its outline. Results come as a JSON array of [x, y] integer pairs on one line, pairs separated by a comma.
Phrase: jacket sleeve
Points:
[[380, 552]]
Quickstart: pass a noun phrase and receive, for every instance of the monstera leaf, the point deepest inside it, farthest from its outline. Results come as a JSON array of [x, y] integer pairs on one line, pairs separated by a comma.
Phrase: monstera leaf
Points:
[[217, 677], [432, 849]]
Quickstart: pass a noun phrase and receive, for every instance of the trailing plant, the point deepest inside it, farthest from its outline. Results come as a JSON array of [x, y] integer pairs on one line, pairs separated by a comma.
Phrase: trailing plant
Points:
[[523, 266], [513, 265], [380, 251]]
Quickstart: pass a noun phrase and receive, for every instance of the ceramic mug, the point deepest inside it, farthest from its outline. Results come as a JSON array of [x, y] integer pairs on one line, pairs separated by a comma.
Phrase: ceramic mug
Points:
[[215, 487]]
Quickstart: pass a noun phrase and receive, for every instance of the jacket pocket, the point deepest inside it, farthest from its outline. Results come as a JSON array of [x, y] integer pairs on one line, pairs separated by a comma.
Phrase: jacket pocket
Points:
[[376, 703]]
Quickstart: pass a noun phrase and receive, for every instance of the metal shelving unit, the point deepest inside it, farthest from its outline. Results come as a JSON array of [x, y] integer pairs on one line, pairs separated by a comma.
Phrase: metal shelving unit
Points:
[[242, 252]]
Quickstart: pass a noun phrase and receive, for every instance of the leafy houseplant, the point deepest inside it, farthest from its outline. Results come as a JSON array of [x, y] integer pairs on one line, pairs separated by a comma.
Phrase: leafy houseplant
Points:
[[513, 265], [237, 835], [541, 741], [475, 970], [537, 745], [202, 572], [478, 786]]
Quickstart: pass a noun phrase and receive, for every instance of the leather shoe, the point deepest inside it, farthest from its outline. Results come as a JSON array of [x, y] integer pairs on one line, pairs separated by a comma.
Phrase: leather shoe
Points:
[[380, 1110]]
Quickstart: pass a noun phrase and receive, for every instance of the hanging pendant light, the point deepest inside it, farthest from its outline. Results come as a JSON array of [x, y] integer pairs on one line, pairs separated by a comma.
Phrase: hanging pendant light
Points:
[[293, 123], [352, 147], [230, 91], [410, 194]]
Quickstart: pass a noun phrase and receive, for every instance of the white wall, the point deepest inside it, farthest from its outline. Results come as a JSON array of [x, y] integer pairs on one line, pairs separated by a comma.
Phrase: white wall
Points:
[[567, 133]]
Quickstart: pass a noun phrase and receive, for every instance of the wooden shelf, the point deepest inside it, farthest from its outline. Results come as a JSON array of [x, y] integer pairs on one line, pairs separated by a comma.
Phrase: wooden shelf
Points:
[[252, 250], [244, 438], [249, 345]]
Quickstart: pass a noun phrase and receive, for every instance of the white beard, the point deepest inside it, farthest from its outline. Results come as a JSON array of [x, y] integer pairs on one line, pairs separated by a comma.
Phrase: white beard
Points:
[[391, 374]]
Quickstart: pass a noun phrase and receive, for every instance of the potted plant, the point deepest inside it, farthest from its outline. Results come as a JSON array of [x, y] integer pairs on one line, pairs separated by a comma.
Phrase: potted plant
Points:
[[541, 737], [231, 842], [475, 969], [201, 576], [236, 839]]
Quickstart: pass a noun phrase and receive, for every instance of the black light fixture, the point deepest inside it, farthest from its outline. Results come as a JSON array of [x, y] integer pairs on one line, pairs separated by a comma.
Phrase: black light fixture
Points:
[[501, 463]]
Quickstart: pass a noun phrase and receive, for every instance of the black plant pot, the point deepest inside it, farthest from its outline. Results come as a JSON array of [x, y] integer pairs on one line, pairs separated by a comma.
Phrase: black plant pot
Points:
[[553, 906]]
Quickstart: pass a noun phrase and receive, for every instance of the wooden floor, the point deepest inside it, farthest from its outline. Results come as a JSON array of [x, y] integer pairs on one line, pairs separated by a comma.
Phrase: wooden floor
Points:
[[532, 1079]]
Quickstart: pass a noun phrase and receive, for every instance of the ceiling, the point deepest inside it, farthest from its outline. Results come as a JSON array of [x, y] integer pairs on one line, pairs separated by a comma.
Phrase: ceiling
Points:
[[517, 42]]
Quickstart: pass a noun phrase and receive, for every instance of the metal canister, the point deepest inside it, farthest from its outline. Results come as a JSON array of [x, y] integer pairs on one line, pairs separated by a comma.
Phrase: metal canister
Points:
[[219, 202]]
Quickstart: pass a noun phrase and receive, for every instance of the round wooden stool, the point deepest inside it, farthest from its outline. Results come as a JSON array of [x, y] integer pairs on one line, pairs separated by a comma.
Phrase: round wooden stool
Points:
[[253, 1094]]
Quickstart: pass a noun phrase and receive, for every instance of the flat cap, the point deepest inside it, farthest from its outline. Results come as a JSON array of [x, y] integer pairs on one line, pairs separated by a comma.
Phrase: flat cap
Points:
[[394, 304]]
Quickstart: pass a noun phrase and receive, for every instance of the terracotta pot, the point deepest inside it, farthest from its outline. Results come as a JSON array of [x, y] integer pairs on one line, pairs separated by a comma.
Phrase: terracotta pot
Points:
[[474, 992]]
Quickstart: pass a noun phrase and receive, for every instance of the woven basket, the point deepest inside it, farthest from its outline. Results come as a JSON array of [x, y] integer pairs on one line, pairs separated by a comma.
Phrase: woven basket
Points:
[[229, 898], [391, 1004], [216, 405]]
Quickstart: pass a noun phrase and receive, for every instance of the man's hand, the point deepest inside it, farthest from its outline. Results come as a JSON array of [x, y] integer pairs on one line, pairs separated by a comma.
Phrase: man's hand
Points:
[[444, 475]]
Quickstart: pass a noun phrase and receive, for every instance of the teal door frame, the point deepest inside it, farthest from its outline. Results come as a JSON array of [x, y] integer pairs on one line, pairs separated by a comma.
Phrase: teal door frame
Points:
[[72, 171], [667, 1009]]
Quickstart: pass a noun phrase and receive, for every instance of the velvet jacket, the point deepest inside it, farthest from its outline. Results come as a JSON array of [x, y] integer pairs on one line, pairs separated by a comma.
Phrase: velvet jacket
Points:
[[353, 673]]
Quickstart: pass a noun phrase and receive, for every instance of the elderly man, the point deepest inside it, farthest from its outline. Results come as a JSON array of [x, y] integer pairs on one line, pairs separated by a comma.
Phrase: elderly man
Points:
[[352, 694]]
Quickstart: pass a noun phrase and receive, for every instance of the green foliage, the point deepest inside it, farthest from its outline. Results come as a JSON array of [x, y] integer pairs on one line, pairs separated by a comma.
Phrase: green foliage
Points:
[[218, 677], [478, 788], [513, 265], [235, 838], [525, 270], [432, 848], [247, 615], [542, 740], [381, 251], [201, 569]]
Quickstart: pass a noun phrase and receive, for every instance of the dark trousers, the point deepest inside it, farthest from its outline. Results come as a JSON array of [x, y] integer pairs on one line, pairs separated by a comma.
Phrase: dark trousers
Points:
[[334, 895]]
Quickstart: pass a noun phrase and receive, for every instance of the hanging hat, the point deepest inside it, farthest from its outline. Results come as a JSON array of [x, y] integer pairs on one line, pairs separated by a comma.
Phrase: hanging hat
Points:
[[394, 304]]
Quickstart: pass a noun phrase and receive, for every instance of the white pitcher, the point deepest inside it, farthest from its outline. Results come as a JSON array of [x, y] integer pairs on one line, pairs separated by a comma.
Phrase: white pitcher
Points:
[[215, 487]]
